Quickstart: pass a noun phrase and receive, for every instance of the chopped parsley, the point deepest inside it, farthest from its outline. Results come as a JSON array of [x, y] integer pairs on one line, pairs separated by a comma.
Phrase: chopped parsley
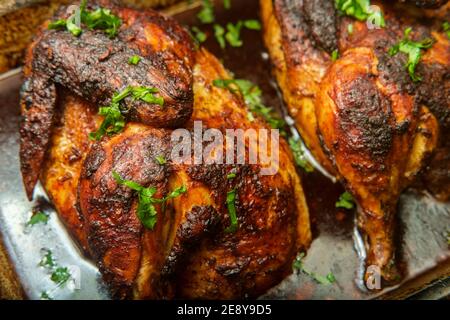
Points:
[[361, 10], [45, 296], [101, 19], [160, 159], [206, 14], [146, 94], [414, 51], [231, 206], [252, 24], [232, 34], [350, 28], [231, 175], [298, 150], [253, 98], [199, 35], [38, 217], [114, 121], [298, 266], [334, 55], [48, 261], [219, 34], [146, 210], [446, 28], [60, 276], [134, 60], [345, 201], [227, 4]]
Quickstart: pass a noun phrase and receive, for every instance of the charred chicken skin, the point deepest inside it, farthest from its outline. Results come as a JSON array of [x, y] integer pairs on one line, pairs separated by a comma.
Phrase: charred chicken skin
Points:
[[190, 252], [360, 113]]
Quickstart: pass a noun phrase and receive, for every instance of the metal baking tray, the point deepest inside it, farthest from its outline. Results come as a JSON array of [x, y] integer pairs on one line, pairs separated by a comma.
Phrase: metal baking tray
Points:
[[423, 223]]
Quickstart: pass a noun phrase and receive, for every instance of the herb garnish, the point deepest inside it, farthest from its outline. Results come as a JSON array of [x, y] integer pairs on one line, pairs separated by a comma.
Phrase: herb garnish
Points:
[[345, 201], [231, 175], [219, 34], [350, 28], [134, 60], [101, 19], [38, 217], [206, 15], [361, 10], [60, 275], [298, 265], [114, 121], [160, 159], [45, 296], [414, 51], [253, 98], [146, 210], [48, 261], [446, 28], [199, 35], [231, 206], [227, 4], [334, 55], [298, 150]]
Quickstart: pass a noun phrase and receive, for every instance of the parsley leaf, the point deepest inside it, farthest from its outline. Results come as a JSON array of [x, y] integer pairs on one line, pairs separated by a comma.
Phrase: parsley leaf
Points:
[[60, 276], [58, 24], [73, 23], [101, 19], [199, 35], [227, 4], [298, 150], [334, 55], [219, 33], [252, 24], [345, 201], [253, 98], [38, 217], [414, 51], [360, 9], [298, 266], [48, 261], [114, 121], [350, 28], [206, 15], [231, 206], [45, 296], [446, 28], [134, 60], [160, 159], [231, 175], [233, 34], [146, 210], [146, 94]]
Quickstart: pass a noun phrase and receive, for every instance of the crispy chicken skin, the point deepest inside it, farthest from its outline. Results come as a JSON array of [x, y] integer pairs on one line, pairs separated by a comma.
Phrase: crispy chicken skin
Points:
[[95, 67], [362, 116], [188, 254]]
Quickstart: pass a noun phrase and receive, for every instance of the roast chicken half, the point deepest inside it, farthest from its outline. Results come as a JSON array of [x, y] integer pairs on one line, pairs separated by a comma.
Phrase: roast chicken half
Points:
[[370, 95], [156, 228]]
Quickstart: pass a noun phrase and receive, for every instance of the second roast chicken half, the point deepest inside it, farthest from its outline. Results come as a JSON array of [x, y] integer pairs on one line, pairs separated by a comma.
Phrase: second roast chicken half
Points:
[[370, 95], [188, 246]]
